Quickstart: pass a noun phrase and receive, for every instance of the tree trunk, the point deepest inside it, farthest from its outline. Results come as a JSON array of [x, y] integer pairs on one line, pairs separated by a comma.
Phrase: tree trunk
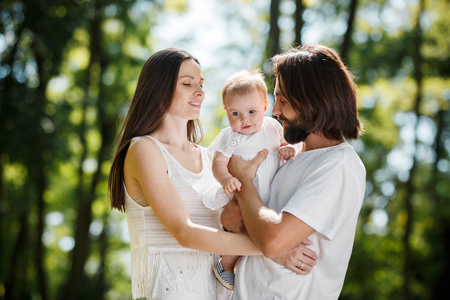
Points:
[[407, 268], [80, 252], [418, 77], [346, 43], [440, 289], [40, 249], [107, 140], [5, 118], [2, 243], [101, 282], [38, 170], [273, 42], [299, 22], [16, 280]]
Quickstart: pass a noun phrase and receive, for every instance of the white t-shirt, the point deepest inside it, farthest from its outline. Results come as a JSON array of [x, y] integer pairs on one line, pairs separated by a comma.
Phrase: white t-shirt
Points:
[[270, 137], [324, 188]]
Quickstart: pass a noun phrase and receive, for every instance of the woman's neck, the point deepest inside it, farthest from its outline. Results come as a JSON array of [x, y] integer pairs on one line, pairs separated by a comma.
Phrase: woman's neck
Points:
[[172, 133]]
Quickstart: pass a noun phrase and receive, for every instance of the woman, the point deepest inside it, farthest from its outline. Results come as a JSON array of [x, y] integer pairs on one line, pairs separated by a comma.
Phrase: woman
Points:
[[159, 175]]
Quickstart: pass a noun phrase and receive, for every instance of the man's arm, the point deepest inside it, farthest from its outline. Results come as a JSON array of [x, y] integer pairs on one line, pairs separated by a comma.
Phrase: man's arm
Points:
[[299, 259], [273, 233]]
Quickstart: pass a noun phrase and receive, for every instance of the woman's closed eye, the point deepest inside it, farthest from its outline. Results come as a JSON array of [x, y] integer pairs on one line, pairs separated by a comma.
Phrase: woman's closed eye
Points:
[[189, 84]]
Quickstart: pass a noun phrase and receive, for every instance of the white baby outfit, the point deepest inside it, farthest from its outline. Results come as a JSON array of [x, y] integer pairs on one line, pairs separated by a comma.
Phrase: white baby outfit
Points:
[[270, 137], [161, 268]]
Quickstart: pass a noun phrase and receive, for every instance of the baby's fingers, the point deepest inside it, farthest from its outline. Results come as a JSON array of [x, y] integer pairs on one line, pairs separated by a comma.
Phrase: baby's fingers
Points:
[[237, 186]]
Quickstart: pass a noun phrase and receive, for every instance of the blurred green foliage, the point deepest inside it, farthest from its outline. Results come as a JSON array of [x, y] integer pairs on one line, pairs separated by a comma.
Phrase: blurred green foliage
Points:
[[68, 69]]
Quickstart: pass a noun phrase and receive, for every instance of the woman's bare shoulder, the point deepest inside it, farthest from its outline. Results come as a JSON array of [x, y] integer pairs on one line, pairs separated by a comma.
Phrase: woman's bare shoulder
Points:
[[144, 150], [142, 144]]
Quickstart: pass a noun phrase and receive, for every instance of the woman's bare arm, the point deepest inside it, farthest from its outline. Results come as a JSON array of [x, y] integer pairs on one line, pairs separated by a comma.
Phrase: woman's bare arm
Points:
[[146, 166]]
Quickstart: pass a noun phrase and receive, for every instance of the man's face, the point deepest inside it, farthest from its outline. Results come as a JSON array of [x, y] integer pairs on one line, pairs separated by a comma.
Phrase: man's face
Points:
[[287, 114]]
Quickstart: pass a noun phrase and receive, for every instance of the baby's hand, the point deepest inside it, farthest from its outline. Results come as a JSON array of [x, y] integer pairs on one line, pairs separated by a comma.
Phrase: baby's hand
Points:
[[286, 152], [230, 185]]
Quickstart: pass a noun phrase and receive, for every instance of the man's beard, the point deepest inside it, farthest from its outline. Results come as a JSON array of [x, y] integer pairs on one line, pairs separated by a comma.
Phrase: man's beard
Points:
[[293, 133]]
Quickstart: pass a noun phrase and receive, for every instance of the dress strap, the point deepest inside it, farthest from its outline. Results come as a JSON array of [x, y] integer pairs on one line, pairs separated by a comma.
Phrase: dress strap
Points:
[[171, 162], [205, 156], [160, 146]]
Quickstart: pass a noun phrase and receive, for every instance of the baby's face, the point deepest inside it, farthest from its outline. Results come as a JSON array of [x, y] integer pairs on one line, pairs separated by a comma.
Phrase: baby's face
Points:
[[246, 112]]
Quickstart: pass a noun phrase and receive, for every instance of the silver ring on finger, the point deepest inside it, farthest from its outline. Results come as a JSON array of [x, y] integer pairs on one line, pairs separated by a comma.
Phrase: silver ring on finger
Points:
[[301, 267]]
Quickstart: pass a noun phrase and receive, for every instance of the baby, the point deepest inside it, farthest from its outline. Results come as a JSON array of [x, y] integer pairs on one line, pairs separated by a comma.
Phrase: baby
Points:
[[245, 100]]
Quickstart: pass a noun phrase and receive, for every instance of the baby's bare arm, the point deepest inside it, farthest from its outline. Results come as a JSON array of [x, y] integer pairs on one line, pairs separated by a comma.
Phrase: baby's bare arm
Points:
[[220, 172], [220, 167]]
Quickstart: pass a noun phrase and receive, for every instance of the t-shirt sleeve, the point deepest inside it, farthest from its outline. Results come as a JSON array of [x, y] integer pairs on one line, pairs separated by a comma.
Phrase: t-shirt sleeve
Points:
[[226, 142], [326, 199]]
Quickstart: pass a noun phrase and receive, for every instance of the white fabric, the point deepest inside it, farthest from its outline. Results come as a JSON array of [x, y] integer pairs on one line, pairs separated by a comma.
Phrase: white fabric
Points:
[[223, 293], [270, 137], [324, 188], [161, 268]]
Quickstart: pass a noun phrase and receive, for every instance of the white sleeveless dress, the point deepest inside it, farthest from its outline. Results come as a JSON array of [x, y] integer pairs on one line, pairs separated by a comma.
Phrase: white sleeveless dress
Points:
[[161, 268]]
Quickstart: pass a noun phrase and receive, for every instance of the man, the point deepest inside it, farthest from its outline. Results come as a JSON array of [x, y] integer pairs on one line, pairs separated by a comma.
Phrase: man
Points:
[[318, 194]]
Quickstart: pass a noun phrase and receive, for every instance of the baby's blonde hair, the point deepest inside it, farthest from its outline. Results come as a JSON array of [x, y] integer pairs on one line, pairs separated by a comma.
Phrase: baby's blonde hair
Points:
[[243, 82]]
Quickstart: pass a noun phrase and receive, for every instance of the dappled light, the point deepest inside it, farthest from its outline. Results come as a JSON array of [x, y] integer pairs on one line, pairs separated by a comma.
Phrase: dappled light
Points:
[[69, 68]]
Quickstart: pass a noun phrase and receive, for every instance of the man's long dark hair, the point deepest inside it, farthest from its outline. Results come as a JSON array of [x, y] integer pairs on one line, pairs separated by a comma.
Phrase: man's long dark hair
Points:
[[153, 97], [321, 89]]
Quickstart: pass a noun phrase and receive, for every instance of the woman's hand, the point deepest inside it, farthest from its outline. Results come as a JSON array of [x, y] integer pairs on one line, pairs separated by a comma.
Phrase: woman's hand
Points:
[[299, 259]]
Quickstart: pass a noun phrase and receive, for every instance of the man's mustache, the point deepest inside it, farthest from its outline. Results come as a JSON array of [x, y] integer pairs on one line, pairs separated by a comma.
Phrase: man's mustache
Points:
[[282, 119]]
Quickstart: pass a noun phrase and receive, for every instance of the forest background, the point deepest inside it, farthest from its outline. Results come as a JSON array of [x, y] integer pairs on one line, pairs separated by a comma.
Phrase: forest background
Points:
[[69, 67]]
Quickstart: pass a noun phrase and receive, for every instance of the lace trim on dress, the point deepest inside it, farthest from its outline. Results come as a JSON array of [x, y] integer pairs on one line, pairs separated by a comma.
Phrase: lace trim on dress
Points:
[[226, 142]]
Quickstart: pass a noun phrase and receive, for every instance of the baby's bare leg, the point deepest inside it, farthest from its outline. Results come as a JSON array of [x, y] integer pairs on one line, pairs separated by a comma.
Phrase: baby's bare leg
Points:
[[229, 262], [224, 270]]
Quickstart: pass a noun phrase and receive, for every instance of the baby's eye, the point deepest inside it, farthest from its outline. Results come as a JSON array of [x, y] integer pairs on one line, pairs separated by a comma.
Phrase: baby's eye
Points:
[[235, 113], [252, 111]]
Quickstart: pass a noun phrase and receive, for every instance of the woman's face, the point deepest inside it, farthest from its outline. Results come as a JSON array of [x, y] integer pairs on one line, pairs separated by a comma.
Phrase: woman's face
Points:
[[189, 94]]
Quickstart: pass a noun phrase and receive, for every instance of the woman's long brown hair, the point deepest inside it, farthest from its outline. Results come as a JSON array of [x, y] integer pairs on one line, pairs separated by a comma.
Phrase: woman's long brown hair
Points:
[[153, 97]]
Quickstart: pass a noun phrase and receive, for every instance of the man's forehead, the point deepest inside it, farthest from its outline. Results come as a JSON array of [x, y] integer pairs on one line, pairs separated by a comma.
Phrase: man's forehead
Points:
[[277, 91], [276, 88]]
